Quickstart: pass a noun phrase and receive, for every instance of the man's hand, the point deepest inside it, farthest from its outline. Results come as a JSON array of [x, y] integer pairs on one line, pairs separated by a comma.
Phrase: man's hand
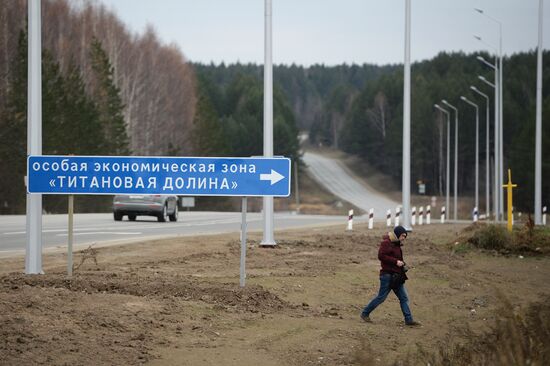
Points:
[[400, 263]]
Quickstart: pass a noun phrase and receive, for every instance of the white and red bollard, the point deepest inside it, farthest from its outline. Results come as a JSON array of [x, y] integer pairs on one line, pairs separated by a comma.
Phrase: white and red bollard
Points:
[[397, 213], [371, 218], [413, 216], [442, 214], [421, 215], [476, 214], [544, 215], [388, 218], [350, 220], [428, 215]]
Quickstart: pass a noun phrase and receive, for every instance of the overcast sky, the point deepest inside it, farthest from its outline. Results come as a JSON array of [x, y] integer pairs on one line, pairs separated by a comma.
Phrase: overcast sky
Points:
[[332, 32]]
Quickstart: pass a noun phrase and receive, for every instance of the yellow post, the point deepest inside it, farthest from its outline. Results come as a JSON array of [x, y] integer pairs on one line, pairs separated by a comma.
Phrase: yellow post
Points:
[[509, 186]]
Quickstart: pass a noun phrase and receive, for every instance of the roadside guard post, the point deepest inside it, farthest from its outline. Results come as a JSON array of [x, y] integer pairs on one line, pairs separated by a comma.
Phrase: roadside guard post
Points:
[[397, 212], [509, 186], [371, 218], [350, 220], [182, 176], [428, 215]]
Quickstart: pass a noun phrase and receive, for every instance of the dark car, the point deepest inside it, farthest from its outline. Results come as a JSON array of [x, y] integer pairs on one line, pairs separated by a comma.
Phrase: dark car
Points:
[[161, 206]]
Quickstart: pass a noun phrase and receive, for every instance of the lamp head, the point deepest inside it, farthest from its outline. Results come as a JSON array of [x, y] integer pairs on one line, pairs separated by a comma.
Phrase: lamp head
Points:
[[444, 101], [477, 37], [436, 105], [463, 98], [481, 78], [473, 88], [478, 10], [480, 58]]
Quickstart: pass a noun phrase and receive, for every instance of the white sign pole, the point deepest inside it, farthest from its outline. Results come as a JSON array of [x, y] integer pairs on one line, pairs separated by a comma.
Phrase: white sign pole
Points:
[[243, 242], [33, 256]]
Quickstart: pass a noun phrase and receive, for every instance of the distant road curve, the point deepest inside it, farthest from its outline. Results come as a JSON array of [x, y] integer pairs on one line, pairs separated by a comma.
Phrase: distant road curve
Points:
[[332, 174]]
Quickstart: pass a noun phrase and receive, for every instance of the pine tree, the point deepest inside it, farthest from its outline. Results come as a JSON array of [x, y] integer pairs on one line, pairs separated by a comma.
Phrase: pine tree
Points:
[[13, 135], [208, 136], [109, 103]]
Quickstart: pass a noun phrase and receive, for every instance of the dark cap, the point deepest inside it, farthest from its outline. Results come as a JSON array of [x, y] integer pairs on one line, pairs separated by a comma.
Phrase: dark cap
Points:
[[399, 230]]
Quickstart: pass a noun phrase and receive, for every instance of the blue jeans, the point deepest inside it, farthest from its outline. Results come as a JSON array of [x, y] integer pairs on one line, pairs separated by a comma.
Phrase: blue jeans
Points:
[[385, 289]]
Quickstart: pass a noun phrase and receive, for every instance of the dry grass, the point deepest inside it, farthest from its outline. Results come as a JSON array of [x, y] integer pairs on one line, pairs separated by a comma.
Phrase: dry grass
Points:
[[527, 239], [515, 339]]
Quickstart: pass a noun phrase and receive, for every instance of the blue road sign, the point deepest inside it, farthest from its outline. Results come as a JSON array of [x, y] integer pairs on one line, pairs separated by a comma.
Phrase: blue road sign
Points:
[[189, 176]]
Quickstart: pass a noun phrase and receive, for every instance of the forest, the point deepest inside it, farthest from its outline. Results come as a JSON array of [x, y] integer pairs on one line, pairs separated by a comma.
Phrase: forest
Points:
[[109, 91]]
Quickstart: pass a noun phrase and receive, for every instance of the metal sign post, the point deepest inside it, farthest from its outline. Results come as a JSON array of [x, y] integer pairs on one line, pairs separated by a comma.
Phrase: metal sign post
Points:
[[243, 242], [70, 236]]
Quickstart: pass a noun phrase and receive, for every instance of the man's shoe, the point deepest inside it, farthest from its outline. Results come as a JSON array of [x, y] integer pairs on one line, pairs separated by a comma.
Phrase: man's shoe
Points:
[[366, 318], [413, 323]]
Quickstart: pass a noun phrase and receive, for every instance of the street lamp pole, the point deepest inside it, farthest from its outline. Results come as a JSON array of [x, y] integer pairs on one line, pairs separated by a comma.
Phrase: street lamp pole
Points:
[[487, 184], [500, 85], [538, 137], [406, 183], [455, 208], [496, 188], [476, 201], [447, 168], [268, 238]]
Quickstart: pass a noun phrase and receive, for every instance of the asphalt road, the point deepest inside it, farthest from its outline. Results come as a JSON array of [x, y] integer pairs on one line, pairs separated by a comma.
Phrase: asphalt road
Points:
[[101, 228], [332, 174]]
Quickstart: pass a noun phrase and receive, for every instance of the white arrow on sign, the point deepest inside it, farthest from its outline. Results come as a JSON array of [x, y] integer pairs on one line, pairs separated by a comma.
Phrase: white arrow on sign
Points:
[[52, 183], [274, 177]]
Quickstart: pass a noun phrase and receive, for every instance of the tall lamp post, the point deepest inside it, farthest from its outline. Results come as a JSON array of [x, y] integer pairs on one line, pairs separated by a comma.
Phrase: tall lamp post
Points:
[[406, 182], [455, 208], [487, 184], [497, 203], [538, 137], [500, 191], [476, 200], [447, 168], [496, 188], [268, 238], [33, 257]]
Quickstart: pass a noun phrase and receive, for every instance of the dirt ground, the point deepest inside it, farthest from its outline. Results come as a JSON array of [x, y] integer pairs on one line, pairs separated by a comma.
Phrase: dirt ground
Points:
[[178, 301]]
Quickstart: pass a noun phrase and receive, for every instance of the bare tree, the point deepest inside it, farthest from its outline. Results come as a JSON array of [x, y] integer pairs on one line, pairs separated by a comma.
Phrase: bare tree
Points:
[[379, 113]]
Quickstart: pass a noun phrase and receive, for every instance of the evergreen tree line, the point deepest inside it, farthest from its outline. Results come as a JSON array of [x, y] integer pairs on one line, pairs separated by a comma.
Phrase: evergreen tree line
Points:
[[373, 124], [359, 109], [73, 122], [105, 90], [147, 73]]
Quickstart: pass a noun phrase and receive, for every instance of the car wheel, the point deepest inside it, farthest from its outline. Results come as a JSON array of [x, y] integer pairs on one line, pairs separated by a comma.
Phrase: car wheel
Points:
[[174, 216], [162, 217], [132, 217], [117, 216]]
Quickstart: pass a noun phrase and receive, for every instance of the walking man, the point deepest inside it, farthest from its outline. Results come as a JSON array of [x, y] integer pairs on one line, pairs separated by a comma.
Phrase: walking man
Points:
[[392, 275]]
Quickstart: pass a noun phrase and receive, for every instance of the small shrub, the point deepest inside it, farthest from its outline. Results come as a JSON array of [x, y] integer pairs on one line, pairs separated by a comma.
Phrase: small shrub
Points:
[[492, 237]]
